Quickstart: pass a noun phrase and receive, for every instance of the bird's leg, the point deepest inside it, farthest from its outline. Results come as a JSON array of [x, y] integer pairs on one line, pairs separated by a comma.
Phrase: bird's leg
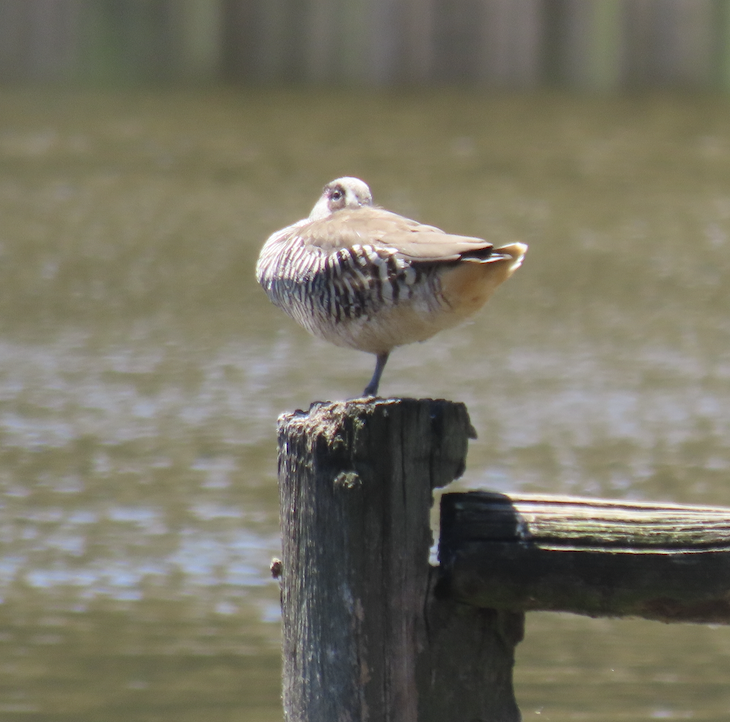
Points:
[[372, 388]]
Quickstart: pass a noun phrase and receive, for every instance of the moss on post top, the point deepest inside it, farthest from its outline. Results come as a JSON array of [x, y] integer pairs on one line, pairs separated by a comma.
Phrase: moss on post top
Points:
[[354, 432]]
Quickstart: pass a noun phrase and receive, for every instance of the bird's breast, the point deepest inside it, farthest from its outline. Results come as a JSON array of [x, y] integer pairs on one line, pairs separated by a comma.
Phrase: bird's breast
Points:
[[337, 295]]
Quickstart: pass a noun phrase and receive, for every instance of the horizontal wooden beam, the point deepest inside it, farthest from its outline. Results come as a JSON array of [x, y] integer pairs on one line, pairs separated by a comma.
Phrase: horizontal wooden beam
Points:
[[587, 556]]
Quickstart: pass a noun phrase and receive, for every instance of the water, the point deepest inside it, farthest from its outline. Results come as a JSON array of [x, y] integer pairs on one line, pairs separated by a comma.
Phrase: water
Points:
[[142, 370]]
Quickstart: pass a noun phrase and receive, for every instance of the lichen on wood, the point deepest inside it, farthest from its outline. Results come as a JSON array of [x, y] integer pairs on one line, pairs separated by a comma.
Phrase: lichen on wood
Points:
[[588, 556]]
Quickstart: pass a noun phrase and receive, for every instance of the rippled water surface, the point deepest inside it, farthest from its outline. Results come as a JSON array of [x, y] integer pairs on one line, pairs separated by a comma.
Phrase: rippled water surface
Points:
[[142, 370]]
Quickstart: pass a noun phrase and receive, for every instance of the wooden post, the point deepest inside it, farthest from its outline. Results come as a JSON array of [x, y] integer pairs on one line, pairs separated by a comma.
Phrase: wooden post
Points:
[[597, 557], [365, 636]]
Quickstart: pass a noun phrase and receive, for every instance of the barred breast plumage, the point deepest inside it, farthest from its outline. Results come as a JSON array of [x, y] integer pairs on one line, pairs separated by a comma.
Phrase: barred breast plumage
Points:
[[360, 276]]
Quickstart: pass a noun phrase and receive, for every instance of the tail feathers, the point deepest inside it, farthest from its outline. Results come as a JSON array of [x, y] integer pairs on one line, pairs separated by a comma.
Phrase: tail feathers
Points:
[[514, 252]]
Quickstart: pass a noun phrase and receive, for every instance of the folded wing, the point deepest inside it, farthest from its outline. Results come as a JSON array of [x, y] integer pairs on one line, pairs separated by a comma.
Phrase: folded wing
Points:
[[392, 234]]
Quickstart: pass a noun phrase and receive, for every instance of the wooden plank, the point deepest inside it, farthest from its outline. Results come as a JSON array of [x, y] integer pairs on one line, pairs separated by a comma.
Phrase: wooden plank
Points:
[[585, 44], [456, 40], [383, 58], [320, 37], [364, 636], [38, 40], [510, 51], [721, 43], [417, 41], [597, 65], [595, 557], [274, 22], [353, 40], [670, 43], [197, 30]]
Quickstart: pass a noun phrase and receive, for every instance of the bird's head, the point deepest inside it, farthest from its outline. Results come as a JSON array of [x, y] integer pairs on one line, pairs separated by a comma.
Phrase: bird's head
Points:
[[341, 193]]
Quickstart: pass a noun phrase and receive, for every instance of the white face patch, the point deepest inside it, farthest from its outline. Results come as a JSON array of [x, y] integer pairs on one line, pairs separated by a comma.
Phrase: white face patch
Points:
[[357, 192], [356, 195]]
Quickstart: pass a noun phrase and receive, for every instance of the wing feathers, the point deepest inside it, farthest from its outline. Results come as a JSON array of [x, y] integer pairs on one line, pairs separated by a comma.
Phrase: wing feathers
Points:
[[391, 232]]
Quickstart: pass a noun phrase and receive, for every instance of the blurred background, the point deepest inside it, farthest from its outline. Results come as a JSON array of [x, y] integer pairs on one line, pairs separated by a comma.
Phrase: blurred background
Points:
[[594, 45], [149, 147]]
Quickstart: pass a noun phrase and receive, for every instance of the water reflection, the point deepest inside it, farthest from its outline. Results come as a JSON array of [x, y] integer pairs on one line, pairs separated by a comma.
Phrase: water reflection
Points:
[[86, 416], [141, 371]]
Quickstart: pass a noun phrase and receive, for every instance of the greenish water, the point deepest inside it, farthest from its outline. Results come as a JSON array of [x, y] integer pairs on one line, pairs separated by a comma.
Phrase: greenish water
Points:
[[142, 370]]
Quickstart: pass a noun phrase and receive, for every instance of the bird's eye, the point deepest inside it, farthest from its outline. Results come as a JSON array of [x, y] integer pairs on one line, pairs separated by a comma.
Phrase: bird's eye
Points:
[[337, 194]]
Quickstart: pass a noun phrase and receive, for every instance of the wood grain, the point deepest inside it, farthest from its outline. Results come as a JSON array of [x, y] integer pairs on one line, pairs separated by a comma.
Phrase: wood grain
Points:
[[588, 556], [364, 636]]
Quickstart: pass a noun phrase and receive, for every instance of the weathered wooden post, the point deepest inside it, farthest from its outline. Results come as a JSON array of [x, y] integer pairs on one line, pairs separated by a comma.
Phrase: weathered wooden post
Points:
[[366, 636]]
